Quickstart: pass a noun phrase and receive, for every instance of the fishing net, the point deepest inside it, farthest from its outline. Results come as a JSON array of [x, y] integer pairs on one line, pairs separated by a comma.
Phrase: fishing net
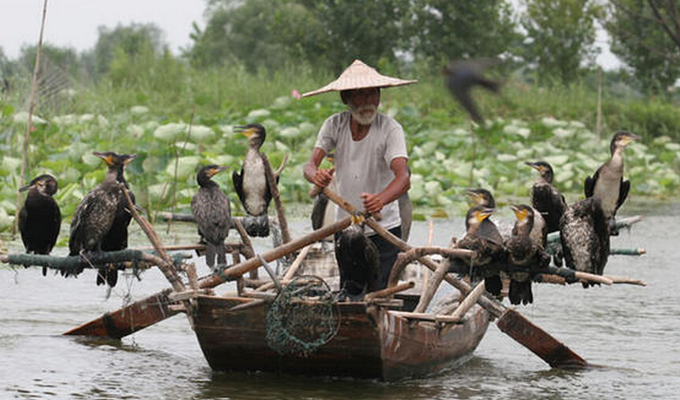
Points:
[[303, 317]]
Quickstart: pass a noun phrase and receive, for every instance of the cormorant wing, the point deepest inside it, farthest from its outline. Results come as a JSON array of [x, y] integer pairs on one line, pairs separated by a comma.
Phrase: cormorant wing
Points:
[[83, 210], [589, 184], [623, 192], [56, 224], [319, 211], [237, 179]]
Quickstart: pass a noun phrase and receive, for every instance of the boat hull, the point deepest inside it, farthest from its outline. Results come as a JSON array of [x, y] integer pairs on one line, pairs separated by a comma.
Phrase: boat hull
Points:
[[371, 342]]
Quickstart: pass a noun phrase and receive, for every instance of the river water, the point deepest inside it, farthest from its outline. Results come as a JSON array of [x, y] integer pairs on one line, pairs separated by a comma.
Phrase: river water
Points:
[[630, 332]]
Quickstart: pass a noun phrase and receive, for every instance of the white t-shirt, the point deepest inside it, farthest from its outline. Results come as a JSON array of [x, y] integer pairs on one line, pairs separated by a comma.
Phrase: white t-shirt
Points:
[[364, 165]]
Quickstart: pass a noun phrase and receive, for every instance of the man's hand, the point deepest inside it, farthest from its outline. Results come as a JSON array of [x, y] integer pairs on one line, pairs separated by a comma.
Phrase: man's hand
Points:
[[372, 203], [323, 177]]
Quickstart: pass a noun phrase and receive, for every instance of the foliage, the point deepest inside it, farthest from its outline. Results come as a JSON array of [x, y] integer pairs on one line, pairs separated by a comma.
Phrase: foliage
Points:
[[130, 41], [643, 44], [441, 30], [560, 37]]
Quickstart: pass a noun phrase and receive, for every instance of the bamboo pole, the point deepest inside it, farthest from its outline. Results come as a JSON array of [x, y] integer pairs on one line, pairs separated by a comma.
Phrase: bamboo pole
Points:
[[432, 286], [291, 270], [29, 124], [425, 316], [426, 272], [274, 190], [468, 303]]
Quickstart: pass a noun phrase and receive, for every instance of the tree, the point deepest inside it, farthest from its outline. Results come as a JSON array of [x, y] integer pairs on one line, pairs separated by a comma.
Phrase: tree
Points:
[[560, 37], [442, 30], [647, 40], [132, 40]]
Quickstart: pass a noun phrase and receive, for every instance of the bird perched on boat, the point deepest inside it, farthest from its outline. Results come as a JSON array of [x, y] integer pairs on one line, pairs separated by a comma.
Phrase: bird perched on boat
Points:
[[358, 261], [488, 246], [40, 216], [97, 210], [251, 183], [584, 234], [526, 256], [321, 214], [462, 76], [210, 207], [117, 236], [545, 197], [607, 185]]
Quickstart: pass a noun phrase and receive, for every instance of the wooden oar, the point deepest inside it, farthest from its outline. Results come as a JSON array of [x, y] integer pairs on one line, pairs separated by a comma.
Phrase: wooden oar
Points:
[[511, 322], [155, 308]]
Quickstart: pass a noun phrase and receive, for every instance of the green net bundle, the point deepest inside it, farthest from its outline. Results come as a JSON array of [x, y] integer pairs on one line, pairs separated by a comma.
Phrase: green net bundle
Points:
[[303, 317]]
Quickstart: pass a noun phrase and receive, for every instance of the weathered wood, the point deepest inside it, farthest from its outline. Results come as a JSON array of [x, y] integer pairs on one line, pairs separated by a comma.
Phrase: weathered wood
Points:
[[586, 277], [130, 318], [419, 316], [188, 294], [626, 280], [290, 271], [432, 286], [389, 291], [469, 302], [274, 190], [524, 332], [627, 252]]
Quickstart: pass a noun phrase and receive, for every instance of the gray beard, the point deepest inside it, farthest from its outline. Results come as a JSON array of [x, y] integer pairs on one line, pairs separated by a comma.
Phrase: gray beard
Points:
[[361, 118]]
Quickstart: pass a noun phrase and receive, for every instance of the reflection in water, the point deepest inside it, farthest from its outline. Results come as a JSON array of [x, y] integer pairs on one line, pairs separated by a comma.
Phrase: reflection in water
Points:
[[628, 329]]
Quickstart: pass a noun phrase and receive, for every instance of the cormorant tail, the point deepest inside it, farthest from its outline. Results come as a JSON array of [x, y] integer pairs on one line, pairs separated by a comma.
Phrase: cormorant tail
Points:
[[210, 253], [493, 284]]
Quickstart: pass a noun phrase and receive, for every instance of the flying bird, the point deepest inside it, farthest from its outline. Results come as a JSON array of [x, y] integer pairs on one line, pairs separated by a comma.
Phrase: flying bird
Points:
[[463, 75]]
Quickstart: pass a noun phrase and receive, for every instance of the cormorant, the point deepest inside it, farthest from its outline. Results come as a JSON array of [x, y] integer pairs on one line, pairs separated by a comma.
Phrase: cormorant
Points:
[[483, 197], [40, 217], [462, 76], [358, 261], [251, 184], [607, 185], [117, 236], [210, 207], [95, 213], [487, 243], [584, 233], [545, 197], [525, 256]]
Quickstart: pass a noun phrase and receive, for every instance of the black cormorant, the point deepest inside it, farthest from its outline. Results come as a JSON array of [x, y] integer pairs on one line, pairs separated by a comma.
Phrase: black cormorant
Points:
[[584, 233], [117, 237], [251, 184], [462, 76], [95, 213], [210, 207], [545, 197], [487, 228], [488, 245], [358, 261], [607, 185], [40, 217], [526, 256]]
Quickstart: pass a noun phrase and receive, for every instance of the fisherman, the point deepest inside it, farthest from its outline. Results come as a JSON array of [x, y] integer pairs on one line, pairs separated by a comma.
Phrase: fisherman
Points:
[[371, 162]]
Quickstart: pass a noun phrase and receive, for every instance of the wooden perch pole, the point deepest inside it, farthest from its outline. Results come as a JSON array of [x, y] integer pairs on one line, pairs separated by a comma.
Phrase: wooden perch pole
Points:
[[274, 190]]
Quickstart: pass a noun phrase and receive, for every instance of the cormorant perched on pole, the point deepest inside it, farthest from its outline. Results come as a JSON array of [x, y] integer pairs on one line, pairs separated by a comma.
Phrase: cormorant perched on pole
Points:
[[607, 185], [584, 233], [251, 184], [117, 237], [95, 213], [488, 245], [525, 256], [545, 197], [358, 261], [210, 207], [40, 217], [462, 76]]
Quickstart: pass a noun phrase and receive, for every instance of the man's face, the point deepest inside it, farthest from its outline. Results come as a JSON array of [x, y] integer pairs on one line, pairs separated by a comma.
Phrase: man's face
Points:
[[363, 104]]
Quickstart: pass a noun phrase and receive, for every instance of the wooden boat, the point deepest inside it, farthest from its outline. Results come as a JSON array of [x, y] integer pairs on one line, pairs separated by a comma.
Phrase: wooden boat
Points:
[[373, 341]]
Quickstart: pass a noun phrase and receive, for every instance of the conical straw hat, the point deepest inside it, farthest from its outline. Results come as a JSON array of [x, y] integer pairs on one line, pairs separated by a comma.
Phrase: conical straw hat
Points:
[[359, 76]]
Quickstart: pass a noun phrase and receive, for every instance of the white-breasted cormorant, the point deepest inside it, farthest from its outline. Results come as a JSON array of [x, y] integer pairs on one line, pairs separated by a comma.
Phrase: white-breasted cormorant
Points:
[[40, 217], [210, 207], [97, 210], [117, 236], [488, 246], [584, 234], [607, 185], [526, 256], [251, 184], [358, 261]]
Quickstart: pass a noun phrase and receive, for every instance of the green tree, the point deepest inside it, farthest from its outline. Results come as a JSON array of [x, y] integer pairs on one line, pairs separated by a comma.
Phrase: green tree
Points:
[[560, 37], [442, 30], [131, 40], [646, 40]]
